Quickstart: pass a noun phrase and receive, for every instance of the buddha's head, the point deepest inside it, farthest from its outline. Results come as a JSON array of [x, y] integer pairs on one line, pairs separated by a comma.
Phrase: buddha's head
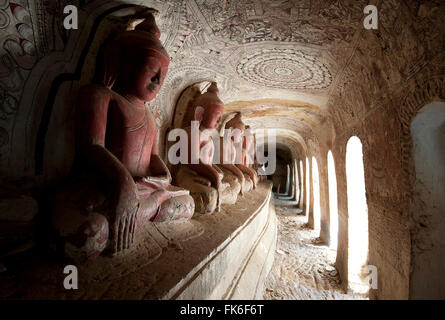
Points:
[[136, 62], [237, 126], [209, 108]]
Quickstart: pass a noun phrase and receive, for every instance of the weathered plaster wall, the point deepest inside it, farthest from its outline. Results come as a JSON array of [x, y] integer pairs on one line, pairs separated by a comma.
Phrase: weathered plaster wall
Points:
[[394, 71], [428, 258]]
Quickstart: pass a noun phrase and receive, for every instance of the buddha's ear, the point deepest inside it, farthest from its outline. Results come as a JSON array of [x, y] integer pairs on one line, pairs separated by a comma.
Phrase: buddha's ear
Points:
[[199, 113]]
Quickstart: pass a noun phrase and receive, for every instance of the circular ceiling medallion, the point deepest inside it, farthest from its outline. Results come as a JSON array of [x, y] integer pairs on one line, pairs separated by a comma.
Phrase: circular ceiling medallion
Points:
[[284, 69]]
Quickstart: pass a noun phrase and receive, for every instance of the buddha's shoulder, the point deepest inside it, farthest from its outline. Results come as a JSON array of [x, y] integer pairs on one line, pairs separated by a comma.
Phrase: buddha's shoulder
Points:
[[96, 91]]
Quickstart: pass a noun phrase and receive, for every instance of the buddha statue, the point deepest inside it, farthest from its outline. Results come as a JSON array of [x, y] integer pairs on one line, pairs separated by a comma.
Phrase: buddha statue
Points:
[[207, 183], [241, 135], [119, 182], [233, 137], [249, 158]]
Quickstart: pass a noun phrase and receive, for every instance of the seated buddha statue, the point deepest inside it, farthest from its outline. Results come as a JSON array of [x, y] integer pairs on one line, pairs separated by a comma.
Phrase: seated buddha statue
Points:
[[229, 155], [249, 159], [242, 136], [119, 182], [207, 183]]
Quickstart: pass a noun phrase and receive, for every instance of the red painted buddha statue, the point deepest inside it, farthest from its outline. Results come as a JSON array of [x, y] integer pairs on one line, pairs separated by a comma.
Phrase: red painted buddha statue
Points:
[[119, 182]]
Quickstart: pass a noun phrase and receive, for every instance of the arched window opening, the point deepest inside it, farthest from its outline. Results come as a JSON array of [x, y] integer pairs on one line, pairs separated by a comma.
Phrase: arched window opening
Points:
[[357, 217], [333, 208], [428, 241], [316, 187], [308, 189], [301, 184], [296, 186]]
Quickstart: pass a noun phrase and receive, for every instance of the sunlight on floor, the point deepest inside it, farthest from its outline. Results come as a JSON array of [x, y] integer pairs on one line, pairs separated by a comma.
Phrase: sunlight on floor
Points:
[[303, 269]]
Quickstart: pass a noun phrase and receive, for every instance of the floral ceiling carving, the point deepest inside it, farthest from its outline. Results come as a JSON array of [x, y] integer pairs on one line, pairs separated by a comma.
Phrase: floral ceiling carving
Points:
[[254, 49], [284, 69]]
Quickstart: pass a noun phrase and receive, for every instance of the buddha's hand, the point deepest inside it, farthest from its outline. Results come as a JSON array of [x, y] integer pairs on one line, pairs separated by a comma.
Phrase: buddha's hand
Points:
[[125, 219], [242, 181], [157, 182], [219, 178], [202, 180]]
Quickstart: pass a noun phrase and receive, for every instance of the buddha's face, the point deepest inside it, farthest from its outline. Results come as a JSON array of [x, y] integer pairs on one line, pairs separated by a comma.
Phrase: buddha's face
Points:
[[212, 116], [144, 74], [237, 135], [237, 128]]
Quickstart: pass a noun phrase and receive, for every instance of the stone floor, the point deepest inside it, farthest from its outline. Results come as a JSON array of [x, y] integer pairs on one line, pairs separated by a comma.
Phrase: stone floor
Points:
[[163, 255], [303, 269]]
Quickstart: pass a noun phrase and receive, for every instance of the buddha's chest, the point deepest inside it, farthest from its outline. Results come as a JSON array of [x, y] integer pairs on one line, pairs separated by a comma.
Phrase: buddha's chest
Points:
[[131, 133]]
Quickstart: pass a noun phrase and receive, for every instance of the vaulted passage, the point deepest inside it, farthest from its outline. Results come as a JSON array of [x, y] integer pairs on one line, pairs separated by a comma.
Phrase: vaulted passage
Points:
[[194, 149]]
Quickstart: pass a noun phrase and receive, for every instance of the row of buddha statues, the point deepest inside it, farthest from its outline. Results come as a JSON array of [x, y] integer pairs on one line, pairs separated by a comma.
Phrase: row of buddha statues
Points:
[[119, 182]]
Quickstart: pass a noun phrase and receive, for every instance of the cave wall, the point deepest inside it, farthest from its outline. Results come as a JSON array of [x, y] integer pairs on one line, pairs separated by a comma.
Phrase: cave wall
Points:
[[393, 72], [428, 260]]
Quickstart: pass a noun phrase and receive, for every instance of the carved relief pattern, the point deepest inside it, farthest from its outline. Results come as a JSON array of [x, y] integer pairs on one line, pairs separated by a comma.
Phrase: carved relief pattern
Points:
[[392, 74], [285, 69], [17, 57], [307, 21], [211, 36], [204, 39]]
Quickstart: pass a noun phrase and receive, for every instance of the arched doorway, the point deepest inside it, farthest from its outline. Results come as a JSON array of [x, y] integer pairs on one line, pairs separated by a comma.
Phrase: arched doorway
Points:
[[428, 241], [333, 208], [357, 216]]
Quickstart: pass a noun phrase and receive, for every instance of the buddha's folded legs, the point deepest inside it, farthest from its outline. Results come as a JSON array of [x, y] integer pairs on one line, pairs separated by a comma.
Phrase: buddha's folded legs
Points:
[[205, 197], [90, 239], [83, 231], [81, 215], [165, 205], [175, 208], [230, 193], [248, 184]]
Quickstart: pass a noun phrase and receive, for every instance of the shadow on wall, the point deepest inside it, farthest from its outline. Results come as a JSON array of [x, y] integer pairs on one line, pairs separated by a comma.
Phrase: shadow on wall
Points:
[[428, 241]]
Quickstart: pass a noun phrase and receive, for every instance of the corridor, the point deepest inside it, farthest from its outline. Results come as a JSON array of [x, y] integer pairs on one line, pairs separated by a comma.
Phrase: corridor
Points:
[[303, 268]]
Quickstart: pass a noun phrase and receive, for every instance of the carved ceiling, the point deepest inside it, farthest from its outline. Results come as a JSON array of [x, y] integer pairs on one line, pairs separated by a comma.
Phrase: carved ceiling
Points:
[[284, 69], [256, 50], [261, 50]]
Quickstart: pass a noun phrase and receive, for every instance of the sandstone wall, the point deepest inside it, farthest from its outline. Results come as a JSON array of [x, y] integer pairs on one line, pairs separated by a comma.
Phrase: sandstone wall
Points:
[[393, 72]]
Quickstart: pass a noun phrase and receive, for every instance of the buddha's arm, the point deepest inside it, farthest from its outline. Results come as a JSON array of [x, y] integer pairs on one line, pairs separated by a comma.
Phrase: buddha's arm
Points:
[[235, 170], [208, 172], [250, 172], [92, 123], [159, 176], [227, 161]]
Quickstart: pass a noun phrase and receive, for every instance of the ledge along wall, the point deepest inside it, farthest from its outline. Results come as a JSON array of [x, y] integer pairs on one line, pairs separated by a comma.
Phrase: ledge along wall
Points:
[[237, 268]]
